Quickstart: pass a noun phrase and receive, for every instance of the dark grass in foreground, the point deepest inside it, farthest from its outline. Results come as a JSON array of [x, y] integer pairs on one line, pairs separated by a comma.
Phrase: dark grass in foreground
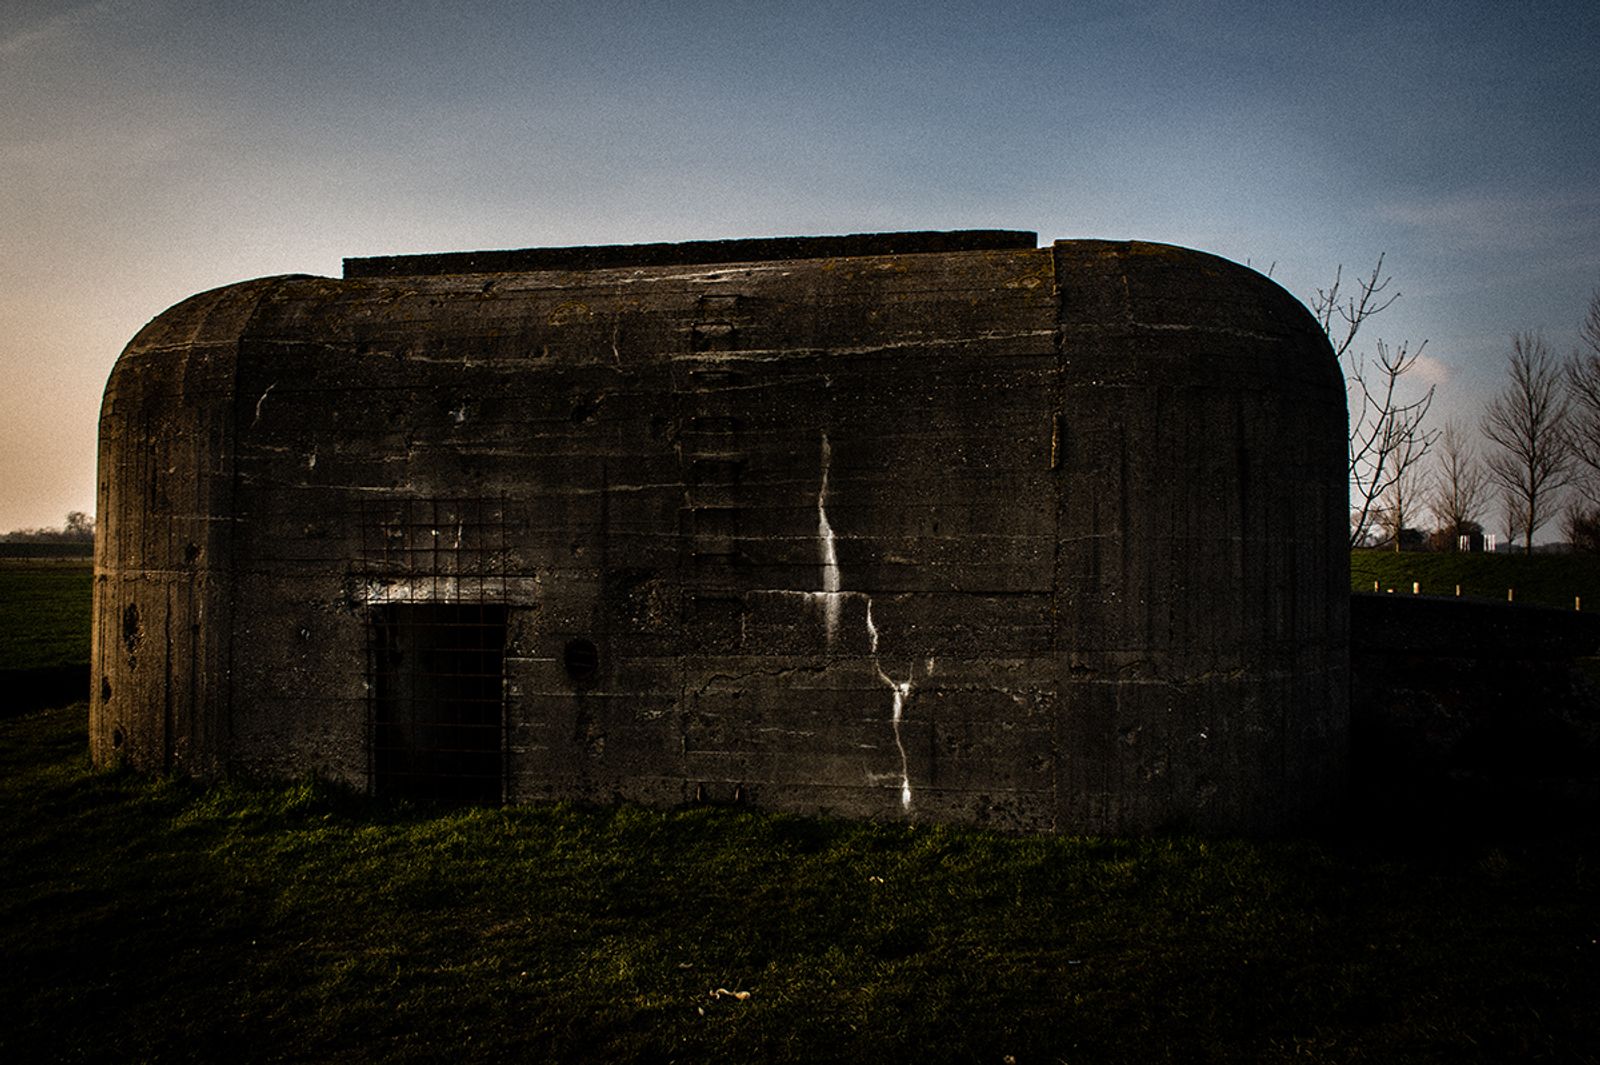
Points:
[[152, 919], [1543, 580]]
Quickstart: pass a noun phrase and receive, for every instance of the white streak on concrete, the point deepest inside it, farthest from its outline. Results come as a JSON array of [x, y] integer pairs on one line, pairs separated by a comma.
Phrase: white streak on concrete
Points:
[[902, 692], [832, 599], [825, 546], [260, 401]]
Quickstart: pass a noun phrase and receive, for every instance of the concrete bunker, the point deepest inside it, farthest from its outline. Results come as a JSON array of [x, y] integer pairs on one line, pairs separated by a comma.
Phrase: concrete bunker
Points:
[[934, 525]]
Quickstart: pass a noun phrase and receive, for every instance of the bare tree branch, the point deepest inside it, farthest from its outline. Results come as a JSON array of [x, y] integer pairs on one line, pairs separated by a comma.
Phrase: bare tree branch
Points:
[[1387, 434], [1402, 500], [1342, 315]]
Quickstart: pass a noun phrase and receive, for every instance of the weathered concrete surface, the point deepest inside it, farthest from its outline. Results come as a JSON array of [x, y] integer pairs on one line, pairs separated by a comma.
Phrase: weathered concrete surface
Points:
[[1045, 538]]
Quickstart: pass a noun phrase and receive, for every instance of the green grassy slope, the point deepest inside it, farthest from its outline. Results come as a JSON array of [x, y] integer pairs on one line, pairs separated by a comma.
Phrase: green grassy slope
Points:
[[44, 612], [1548, 580], [145, 919]]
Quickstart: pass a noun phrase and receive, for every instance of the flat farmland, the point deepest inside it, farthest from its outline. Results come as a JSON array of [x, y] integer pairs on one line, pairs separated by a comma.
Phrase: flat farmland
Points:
[[44, 612]]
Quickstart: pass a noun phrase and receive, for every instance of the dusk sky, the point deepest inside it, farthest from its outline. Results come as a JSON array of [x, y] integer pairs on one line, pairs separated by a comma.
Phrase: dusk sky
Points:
[[151, 149]]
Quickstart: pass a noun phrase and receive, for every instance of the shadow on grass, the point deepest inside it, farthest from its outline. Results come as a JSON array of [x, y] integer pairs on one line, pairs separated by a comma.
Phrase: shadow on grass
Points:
[[28, 690], [157, 919]]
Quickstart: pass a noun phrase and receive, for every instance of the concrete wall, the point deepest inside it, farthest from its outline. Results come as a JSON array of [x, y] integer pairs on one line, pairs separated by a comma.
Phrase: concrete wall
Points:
[[1051, 539]]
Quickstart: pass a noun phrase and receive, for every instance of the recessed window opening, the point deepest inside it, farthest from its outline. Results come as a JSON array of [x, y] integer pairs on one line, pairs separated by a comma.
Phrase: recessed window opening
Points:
[[439, 705]]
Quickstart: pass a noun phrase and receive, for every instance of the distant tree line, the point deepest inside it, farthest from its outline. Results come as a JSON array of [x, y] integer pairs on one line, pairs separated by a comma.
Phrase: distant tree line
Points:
[[78, 529], [1541, 434]]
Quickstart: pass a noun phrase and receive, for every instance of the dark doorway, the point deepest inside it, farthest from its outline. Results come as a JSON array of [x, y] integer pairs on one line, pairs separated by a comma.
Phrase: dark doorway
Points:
[[439, 708]]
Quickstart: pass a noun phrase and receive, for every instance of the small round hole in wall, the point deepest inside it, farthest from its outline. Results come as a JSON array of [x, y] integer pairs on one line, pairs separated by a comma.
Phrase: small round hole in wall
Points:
[[116, 739], [581, 659]]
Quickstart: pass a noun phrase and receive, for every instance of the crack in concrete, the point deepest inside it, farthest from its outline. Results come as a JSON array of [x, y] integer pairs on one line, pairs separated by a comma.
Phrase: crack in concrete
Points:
[[750, 674], [832, 601], [902, 692]]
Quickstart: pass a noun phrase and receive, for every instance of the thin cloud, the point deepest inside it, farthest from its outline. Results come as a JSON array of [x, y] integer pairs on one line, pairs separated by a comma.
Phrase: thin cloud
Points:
[[1431, 370], [1500, 222], [60, 28]]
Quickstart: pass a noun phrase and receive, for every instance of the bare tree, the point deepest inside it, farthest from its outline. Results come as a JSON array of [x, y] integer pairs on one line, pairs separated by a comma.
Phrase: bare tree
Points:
[[1527, 424], [1513, 518], [1580, 528], [1580, 524], [1387, 435], [1583, 390], [1402, 499], [1459, 487], [1589, 331]]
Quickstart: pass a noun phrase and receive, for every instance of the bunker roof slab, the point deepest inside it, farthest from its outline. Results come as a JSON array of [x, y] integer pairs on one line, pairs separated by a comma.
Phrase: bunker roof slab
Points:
[[690, 253]]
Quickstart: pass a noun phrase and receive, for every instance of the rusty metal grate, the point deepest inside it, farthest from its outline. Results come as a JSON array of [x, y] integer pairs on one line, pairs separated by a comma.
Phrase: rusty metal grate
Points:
[[433, 551]]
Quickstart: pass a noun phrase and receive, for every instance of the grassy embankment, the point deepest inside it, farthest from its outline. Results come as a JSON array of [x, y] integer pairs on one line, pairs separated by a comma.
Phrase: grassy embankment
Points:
[[1545, 580], [156, 919]]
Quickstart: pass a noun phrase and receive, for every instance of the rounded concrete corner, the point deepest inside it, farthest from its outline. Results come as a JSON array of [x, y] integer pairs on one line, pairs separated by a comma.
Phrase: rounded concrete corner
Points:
[[164, 504], [1167, 286]]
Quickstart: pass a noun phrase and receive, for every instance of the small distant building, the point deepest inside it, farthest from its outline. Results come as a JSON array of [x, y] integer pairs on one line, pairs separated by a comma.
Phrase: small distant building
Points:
[[898, 525]]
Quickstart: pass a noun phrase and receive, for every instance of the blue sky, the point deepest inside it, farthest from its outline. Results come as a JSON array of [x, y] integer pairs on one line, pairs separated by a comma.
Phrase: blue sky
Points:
[[149, 150]]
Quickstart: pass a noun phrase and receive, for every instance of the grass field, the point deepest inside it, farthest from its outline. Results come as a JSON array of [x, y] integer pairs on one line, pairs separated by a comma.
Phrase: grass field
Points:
[[155, 919], [1545, 580], [144, 918], [44, 612]]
